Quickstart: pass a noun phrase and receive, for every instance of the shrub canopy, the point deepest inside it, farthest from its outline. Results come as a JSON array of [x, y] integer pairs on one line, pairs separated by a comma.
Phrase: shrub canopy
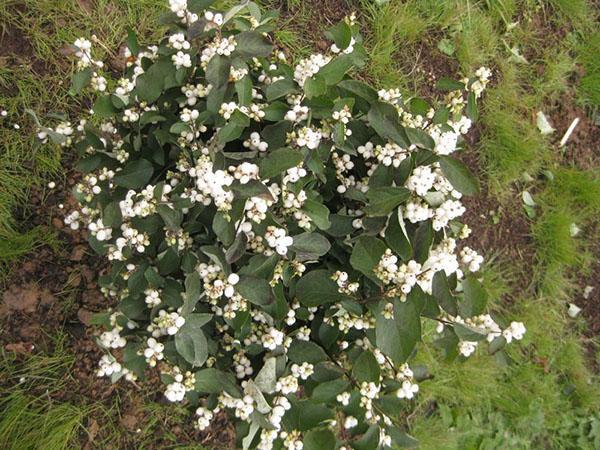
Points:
[[278, 235]]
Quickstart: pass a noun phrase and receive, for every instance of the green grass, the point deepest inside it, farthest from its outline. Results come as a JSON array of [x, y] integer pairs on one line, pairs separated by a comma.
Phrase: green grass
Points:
[[571, 199], [30, 418], [28, 423], [511, 144], [588, 50]]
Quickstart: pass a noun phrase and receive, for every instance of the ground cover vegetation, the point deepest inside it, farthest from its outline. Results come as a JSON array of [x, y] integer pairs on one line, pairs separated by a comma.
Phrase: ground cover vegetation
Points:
[[539, 195]]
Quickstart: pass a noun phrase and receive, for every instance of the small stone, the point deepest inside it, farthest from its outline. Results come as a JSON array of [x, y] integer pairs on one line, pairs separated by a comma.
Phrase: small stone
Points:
[[77, 253], [24, 298], [85, 316], [574, 310], [19, 347], [57, 223]]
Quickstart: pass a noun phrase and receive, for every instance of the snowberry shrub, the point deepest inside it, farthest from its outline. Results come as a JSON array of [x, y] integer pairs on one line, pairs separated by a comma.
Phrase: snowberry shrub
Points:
[[278, 234]]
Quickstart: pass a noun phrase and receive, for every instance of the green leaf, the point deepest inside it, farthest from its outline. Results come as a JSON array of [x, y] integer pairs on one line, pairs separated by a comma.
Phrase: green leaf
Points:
[[253, 188], [135, 174], [170, 216], [422, 240], [471, 109], [306, 351], [318, 212], [198, 6], [251, 389], [224, 228], [334, 71], [275, 111], [441, 292], [153, 278], [190, 343], [266, 380], [401, 438], [81, 79], [198, 320], [168, 261], [398, 337], [179, 127], [420, 138], [384, 119], [341, 34], [216, 255], [327, 391], [419, 106], [150, 84], [132, 42], [309, 415], [448, 84], [111, 216], [255, 290], [309, 246], [441, 116], [366, 254], [237, 249], [315, 86], [322, 439], [278, 161], [213, 381], [497, 344], [247, 441], [317, 288], [467, 333], [260, 266], [243, 88], [366, 368], [151, 117], [276, 134], [217, 71], [360, 89], [475, 297], [397, 238], [252, 44], [172, 293], [383, 200], [193, 291], [369, 440], [230, 132], [280, 88], [103, 107], [383, 176], [459, 175], [340, 225]]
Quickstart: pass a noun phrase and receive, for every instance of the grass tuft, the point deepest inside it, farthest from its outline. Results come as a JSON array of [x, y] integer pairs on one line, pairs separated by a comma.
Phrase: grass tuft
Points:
[[28, 423], [511, 142], [589, 86]]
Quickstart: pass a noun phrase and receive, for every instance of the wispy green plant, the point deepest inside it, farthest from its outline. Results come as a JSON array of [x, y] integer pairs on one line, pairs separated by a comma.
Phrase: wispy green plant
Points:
[[477, 40], [577, 189], [511, 143], [589, 85], [558, 67], [28, 423], [577, 12]]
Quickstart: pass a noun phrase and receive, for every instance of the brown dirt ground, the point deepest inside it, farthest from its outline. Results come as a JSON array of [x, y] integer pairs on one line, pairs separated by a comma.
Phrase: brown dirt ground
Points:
[[56, 291]]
